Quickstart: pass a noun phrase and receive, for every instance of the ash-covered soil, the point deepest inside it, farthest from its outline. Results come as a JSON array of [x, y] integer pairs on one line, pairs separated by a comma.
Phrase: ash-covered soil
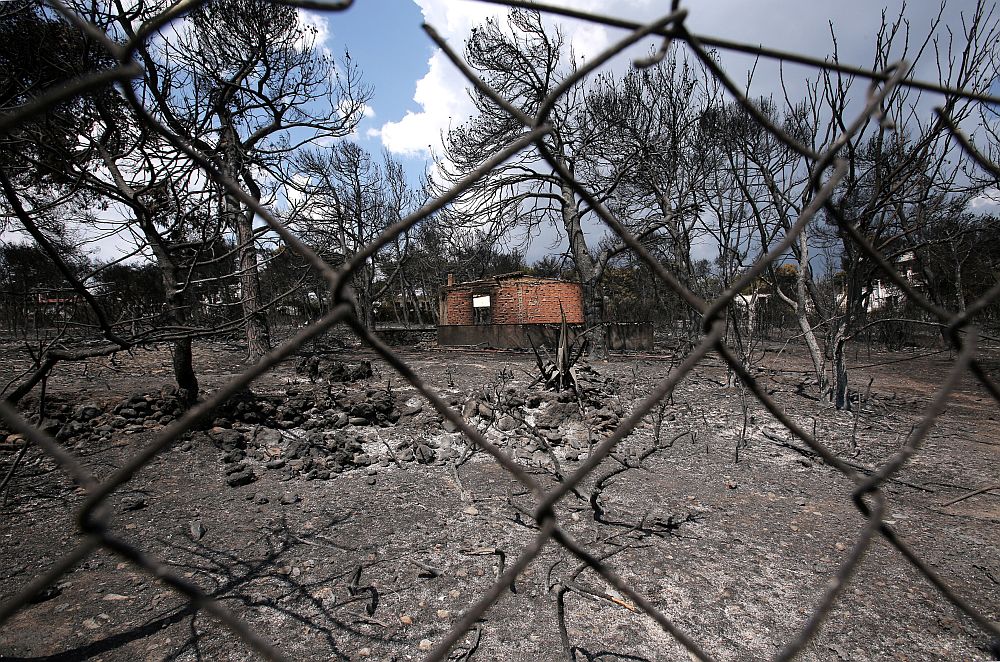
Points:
[[347, 520]]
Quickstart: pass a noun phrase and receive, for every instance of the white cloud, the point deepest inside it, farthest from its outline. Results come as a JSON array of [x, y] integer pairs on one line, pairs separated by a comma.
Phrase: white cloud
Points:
[[441, 92], [442, 99], [312, 21]]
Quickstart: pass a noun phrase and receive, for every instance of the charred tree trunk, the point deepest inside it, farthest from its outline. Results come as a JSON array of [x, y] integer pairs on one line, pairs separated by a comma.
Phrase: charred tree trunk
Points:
[[587, 269], [177, 303], [241, 222], [840, 395]]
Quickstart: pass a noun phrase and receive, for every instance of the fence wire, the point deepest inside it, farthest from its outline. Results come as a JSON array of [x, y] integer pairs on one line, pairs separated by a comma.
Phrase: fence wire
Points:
[[94, 519]]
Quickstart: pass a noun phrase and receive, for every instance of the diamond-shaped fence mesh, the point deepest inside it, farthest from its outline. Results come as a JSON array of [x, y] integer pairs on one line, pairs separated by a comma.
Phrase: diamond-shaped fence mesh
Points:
[[94, 518]]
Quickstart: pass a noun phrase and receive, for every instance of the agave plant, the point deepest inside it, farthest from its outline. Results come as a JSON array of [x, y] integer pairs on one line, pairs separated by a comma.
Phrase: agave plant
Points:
[[560, 374]]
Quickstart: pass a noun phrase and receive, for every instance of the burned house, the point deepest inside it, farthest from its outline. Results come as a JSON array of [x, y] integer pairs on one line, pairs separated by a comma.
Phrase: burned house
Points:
[[518, 310]]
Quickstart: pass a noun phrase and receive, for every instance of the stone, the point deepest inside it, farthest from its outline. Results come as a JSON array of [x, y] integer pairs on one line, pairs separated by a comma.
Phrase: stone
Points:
[[411, 410], [425, 644], [235, 468], [362, 410], [86, 412], [197, 530], [226, 438], [424, 454], [443, 614], [288, 498], [340, 371], [507, 423], [240, 478], [406, 619], [448, 426], [267, 436], [133, 503], [359, 420]]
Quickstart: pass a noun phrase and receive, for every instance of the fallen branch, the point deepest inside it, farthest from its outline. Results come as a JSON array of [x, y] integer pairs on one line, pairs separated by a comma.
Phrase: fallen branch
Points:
[[857, 466], [971, 494]]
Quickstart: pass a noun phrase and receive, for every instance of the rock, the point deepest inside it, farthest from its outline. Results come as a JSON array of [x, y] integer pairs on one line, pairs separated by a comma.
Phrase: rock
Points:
[[348, 372], [470, 409], [260, 498], [471, 510], [359, 421], [448, 426], [234, 468], [411, 410], [267, 436], [424, 454], [240, 478], [485, 410], [226, 438], [288, 498], [406, 619], [362, 410], [443, 614], [507, 423], [133, 503], [197, 530], [425, 644], [341, 420], [71, 429], [86, 412]]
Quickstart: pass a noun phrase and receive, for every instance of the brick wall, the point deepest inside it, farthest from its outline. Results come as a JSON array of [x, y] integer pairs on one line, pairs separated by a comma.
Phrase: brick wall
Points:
[[459, 307], [540, 301], [518, 301]]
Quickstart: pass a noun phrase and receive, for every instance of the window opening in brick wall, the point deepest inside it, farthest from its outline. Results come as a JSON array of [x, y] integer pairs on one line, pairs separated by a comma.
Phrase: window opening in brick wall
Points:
[[482, 310]]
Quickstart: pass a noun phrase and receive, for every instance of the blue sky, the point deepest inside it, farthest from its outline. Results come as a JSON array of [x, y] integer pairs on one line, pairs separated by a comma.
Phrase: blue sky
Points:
[[385, 40]]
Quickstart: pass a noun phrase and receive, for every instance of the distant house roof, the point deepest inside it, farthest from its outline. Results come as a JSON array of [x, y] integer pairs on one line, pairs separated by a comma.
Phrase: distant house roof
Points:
[[493, 280]]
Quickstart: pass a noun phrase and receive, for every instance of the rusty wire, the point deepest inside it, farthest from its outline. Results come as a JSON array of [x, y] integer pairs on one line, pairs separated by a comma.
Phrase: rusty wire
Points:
[[93, 518]]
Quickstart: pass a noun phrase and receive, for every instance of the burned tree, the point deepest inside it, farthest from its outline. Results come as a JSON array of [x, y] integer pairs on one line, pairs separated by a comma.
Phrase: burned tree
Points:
[[247, 84]]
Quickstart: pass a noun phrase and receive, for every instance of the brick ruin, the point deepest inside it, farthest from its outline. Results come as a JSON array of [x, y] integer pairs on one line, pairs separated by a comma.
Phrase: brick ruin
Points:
[[517, 310], [511, 299]]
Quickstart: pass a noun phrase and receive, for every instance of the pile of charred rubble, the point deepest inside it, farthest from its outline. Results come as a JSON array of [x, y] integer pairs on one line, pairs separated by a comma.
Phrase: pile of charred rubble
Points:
[[334, 421]]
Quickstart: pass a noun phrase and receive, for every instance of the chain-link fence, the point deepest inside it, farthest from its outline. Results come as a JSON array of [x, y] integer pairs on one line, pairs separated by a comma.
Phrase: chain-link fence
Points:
[[94, 518]]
